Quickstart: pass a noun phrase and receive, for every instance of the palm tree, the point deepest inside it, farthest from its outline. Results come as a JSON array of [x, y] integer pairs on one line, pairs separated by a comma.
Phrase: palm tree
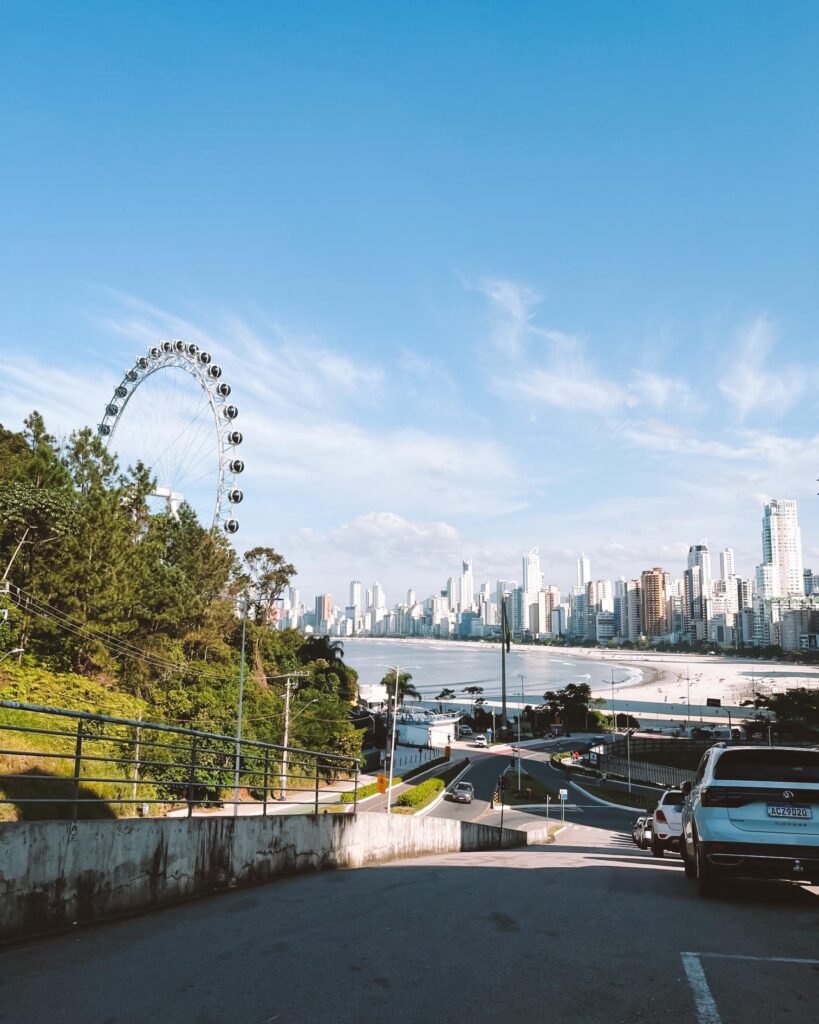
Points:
[[405, 687], [322, 648], [445, 694]]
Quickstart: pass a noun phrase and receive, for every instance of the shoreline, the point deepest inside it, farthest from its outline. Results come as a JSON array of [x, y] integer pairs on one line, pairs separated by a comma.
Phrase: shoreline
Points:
[[658, 677]]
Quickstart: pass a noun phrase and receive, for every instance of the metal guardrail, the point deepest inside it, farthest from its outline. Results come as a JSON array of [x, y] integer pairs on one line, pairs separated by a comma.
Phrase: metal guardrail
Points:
[[643, 771], [84, 765]]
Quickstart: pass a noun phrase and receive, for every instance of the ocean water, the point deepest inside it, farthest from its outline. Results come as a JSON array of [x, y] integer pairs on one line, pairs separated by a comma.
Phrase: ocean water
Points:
[[530, 671]]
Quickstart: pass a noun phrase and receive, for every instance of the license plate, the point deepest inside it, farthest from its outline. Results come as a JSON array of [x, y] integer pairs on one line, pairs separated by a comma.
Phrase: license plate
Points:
[[789, 811]]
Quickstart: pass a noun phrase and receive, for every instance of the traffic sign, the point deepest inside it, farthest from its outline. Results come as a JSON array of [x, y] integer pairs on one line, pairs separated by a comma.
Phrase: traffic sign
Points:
[[564, 794]]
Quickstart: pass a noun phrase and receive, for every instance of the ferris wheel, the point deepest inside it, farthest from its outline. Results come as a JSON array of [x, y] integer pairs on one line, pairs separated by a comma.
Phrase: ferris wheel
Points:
[[183, 431]]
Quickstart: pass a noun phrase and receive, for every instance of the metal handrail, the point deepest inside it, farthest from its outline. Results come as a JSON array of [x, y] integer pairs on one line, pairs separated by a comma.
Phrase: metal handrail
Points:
[[198, 773]]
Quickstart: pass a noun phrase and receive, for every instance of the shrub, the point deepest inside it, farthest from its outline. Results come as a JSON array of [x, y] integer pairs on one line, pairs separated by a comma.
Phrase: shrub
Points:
[[418, 794]]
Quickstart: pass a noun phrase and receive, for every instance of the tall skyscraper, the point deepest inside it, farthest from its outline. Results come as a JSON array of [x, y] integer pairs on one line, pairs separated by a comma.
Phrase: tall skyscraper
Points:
[[726, 564], [531, 571], [467, 587], [700, 558], [652, 598], [583, 571], [355, 594], [324, 608], [782, 547], [378, 599]]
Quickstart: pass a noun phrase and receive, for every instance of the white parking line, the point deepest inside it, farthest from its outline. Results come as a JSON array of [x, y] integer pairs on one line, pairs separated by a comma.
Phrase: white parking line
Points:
[[707, 1012], [765, 959]]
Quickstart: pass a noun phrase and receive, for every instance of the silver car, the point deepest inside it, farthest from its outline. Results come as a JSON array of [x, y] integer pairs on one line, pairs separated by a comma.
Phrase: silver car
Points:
[[462, 792]]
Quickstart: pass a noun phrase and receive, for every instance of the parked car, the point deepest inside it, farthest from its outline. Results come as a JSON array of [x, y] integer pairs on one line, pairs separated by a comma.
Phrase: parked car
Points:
[[646, 832], [480, 740], [752, 812], [464, 730], [462, 792], [638, 830], [666, 833]]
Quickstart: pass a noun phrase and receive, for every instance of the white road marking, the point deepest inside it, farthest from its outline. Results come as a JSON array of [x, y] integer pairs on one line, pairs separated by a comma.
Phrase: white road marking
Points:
[[763, 959], [707, 1012]]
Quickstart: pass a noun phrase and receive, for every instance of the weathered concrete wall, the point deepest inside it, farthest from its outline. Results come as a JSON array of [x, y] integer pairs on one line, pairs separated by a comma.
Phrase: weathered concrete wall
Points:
[[54, 874]]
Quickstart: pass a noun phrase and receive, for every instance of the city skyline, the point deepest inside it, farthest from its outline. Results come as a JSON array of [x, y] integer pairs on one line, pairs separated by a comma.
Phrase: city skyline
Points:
[[454, 324], [778, 603]]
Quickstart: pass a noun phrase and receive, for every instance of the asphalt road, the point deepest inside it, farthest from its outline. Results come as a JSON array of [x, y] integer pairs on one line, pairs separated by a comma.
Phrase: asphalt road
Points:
[[588, 931]]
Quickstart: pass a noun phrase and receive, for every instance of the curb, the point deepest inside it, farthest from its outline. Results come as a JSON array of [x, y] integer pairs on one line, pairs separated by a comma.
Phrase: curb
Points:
[[606, 803], [442, 794]]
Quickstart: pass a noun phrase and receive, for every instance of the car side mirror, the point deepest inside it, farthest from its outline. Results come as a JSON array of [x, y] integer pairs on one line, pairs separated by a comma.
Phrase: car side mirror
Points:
[[685, 788]]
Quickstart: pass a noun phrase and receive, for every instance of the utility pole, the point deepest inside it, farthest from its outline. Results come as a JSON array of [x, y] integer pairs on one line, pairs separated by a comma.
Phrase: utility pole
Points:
[[520, 712], [392, 742], [613, 714], [241, 702], [505, 641], [628, 752]]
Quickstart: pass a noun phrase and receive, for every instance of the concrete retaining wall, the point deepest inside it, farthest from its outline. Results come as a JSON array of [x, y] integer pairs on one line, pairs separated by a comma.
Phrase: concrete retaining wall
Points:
[[54, 874]]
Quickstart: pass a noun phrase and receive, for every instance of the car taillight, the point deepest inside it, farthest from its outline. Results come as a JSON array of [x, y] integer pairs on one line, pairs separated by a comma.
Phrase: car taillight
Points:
[[715, 797], [660, 817]]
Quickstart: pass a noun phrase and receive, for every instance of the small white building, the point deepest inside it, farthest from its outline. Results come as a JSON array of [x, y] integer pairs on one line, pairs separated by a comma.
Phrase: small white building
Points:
[[420, 728]]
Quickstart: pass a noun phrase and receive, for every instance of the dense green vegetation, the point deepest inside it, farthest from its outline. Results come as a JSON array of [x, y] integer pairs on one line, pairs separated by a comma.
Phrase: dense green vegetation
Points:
[[126, 612]]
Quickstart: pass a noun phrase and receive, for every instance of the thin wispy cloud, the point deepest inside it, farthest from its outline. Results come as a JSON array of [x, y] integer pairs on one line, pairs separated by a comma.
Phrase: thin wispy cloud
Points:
[[751, 383]]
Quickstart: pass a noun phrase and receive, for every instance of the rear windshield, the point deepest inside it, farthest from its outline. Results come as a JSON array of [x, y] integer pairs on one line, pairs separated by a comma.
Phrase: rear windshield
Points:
[[769, 765], [674, 796]]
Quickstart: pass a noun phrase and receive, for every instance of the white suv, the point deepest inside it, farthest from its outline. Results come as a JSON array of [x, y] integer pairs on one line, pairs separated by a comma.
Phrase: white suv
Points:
[[752, 812], [667, 831]]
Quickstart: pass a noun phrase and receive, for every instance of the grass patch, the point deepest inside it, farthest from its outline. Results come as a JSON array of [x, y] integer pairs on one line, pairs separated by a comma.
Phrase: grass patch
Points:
[[532, 790], [42, 764], [639, 801]]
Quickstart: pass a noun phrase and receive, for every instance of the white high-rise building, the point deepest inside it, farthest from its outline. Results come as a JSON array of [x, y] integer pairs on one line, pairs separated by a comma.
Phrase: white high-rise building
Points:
[[583, 571], [531, 571], [467, 587], [700, 558], [782, 547], [355, 594], [379, 601], [726, 565]]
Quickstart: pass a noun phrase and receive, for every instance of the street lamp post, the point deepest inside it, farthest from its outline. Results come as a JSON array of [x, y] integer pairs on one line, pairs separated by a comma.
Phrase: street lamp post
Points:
[[392, 740], [628, 753], [239, 722]]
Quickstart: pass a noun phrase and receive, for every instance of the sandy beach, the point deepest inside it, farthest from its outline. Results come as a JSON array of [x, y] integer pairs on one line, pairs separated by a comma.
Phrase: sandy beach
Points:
[[694, 677], [656, 678]]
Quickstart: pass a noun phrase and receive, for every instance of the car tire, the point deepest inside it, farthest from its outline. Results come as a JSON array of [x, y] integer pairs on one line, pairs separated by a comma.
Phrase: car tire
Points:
[[689, 867], [657, 848], [706, 876]]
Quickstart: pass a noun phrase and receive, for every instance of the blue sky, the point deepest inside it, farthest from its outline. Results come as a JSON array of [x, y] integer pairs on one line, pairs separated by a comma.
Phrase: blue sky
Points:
[[482, 275]]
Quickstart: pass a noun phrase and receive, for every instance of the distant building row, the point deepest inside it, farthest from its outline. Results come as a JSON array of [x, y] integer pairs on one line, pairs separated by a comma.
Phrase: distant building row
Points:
[[779, 605]]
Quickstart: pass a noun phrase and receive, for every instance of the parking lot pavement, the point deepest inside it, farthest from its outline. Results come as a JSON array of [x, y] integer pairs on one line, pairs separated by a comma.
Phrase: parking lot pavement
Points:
[[588, 931], [725, 985]]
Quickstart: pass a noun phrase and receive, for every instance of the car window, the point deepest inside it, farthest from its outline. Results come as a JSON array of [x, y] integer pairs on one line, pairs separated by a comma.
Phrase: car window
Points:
[[768, 765], [673, 796], [701, 769]]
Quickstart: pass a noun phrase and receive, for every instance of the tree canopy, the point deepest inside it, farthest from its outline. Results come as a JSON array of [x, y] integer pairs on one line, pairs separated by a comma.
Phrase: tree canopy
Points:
[[150, 603]]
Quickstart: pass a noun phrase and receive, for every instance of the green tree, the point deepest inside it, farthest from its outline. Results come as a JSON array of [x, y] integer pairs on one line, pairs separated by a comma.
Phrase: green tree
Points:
[[405, 686], [267, 575], [445, 695]]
